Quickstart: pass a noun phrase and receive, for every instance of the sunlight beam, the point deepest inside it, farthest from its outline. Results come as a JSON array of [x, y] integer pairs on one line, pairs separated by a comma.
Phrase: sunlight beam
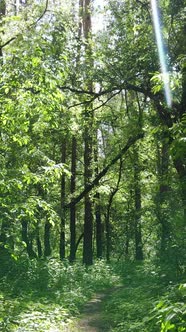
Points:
[[161, 52]]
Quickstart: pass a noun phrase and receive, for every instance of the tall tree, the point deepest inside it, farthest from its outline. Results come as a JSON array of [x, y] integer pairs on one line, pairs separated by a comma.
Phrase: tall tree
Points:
[[63, 199], [88, 140], [73, 207], [98, 221], [74, 145], [137, 203], [162, 195]]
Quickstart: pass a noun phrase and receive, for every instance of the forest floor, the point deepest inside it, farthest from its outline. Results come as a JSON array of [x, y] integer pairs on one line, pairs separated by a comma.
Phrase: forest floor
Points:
[[141, 301], [91, 318], [59, 297]]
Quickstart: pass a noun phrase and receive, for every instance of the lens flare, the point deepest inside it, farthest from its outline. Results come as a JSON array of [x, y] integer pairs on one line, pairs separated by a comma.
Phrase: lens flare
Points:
[[161, 52]]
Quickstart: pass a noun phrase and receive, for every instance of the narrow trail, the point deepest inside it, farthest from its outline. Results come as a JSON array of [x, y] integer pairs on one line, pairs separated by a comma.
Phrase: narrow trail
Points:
[[91, 319]]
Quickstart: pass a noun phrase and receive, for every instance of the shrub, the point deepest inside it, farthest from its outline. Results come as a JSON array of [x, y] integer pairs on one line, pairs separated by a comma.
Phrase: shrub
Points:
[[170, 312]]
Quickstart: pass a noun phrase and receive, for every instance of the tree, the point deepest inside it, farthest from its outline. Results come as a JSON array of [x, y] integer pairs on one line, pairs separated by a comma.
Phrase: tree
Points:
[[73, 208], [71, 132], [88, 137]]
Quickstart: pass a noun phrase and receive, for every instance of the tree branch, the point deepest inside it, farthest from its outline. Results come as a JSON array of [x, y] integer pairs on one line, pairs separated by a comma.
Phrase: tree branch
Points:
[[8, 42], [95, 182], [156, 98], [43, 13], [124, 85], [31, 25]]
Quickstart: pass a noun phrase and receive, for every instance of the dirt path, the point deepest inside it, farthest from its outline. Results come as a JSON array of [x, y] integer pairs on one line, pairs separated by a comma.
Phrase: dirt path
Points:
[[91, 317], [90, 320]]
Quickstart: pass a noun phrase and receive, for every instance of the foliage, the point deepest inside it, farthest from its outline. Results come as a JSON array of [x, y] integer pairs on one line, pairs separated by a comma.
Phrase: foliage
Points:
[[170, 311], [46, 295], [136, 305], [139, 204]]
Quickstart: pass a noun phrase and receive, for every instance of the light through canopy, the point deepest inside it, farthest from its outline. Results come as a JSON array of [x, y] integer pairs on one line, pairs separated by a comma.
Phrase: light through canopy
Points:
[[161, 52]]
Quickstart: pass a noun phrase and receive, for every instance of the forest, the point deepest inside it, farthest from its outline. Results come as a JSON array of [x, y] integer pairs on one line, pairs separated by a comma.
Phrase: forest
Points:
[[93, 165]]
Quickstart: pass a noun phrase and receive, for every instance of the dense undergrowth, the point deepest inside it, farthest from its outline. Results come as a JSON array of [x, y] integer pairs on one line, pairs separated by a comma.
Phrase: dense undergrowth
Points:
[[46, 295], [152, 299]]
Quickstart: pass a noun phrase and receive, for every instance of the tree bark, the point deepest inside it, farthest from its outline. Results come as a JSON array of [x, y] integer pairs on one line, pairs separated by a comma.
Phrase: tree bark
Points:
[[88, 217], [2, 14], [107, 221], [88, 134], [180, 165], [99, 228], [73, 207], [137, 202], [29, 245], [47, 247], [162, 196], [63, 197], [39, 246]]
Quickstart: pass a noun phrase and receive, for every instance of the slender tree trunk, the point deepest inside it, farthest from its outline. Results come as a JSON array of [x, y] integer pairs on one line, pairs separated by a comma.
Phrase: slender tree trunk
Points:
[[29, 245], [88, 134], [137, 202], [63, 197], [180, 166], [3, 241], [47, 246], [39, 246], [2, 14], [88, 217], [107, 221], [74, 148], [99, 228], [162, 197], [104, 171], [73, 207], [180, 163], [108, 229], [127, 240]]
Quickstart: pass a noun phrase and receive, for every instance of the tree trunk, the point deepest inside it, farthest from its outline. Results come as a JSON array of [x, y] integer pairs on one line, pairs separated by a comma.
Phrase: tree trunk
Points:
[[25, 238], [108, 230], [2, 13], [99, 228], [88, 217], [180, 166], [4, 253], [47, 247], [137, 202], [73, 207], [104, 171], [88, 134], [63, 197], [127, 240], [107, 221], [39, 246], [162, 198]]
